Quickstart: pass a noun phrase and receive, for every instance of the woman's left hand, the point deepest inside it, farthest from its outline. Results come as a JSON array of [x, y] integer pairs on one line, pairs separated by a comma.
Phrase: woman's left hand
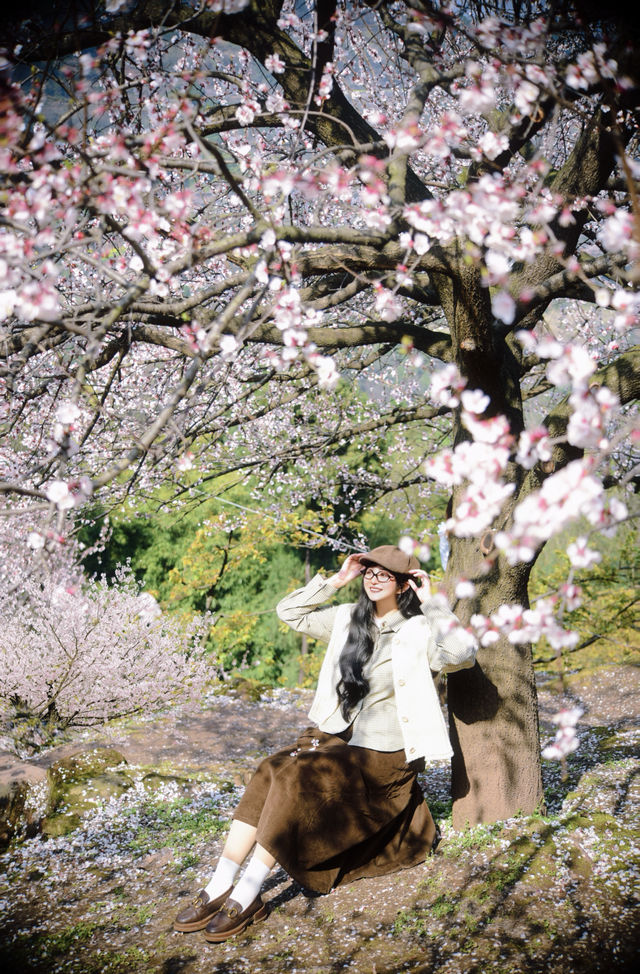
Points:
[[421, 584]]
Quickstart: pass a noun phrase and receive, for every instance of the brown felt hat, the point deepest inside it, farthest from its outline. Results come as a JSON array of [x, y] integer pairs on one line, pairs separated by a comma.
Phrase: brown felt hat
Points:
[[392, 558]]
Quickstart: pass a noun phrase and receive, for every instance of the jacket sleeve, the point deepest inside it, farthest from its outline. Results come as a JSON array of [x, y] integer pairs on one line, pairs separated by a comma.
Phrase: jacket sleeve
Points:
[[298, 609], [451, 647]]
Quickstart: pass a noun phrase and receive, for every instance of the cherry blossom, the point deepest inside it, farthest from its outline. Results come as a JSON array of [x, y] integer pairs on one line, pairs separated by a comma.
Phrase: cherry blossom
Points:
[[534, 446], [492, 145], [325, 367], [465, 589], [571, 595], [84, 655], [565, 741], [228, 345], [592, 410], [388, 305], [446, 385], [59, 494], [274, 63], [581, 556], [410, 547], [186, 461], [573, 365], [474, 401], [503, 307], [326, 83]]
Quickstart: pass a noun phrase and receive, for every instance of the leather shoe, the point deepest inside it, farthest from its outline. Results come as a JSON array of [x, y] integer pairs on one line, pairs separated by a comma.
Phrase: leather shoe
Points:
[[199, 912], [232, 919]]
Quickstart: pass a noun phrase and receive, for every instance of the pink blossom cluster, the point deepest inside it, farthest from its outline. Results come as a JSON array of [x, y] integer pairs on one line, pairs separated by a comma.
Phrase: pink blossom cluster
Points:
[[564, 496], [446, 385], [326, 83], [480, 463], [410, 547], [590, 67], [522, 625]]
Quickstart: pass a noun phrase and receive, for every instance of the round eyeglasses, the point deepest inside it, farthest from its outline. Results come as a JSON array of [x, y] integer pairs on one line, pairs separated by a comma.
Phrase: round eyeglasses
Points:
[[383, 577]]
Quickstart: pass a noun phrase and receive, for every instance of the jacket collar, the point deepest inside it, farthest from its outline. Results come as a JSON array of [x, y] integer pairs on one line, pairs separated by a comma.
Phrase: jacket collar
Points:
[[392, 621]]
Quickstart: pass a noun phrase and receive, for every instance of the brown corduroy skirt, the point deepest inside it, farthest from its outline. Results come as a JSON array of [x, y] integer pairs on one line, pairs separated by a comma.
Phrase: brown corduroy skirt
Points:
[[331, 813]]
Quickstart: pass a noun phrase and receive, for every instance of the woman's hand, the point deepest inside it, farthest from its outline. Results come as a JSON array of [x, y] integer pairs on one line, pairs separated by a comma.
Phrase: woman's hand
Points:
[[421, 584], [351, 568]]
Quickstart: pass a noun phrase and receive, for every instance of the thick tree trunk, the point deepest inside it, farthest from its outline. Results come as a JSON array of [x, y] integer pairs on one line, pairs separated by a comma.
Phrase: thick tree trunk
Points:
[[493, 709]]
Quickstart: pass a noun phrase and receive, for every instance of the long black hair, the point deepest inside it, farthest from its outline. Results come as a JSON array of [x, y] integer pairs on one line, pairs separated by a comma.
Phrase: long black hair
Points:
[[353, 686]]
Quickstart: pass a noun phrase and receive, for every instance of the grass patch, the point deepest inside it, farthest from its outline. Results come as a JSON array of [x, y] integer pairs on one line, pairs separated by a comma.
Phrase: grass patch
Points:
[[478, 837], [440, 808], [412, 922], [118, 961], [188, 861], [62, 942], [179, 823], [37, 951], [418, 922]]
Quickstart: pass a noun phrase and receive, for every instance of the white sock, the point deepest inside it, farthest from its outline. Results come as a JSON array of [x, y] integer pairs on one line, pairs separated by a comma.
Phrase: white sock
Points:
[[223, 877], [251, 882]]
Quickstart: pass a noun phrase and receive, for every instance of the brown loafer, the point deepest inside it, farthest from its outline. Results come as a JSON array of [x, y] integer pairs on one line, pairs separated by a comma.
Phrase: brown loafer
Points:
[[232, 919], [199, 912]]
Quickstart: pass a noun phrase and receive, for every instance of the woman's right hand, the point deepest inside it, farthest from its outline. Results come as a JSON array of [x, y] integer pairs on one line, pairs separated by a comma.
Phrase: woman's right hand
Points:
[[351, 568]]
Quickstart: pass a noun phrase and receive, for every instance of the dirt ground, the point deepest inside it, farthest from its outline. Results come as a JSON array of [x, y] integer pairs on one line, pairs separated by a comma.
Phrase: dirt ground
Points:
[[556, 893]]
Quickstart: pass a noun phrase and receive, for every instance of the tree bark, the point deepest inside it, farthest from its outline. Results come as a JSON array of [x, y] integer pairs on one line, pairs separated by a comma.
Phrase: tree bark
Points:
[[493, 708]]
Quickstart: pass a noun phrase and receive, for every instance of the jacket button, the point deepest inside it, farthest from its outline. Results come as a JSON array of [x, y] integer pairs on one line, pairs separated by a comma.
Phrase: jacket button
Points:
[[411, 750], [401, 682], [405, 720]]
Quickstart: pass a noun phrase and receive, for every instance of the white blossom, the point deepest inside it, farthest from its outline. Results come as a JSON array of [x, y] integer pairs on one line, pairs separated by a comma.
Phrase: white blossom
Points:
[[59, 494], [503, 307]]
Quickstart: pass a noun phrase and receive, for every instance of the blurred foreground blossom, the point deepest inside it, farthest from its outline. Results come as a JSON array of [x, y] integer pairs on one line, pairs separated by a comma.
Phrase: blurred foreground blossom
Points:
[[566, 740], [412, 547]]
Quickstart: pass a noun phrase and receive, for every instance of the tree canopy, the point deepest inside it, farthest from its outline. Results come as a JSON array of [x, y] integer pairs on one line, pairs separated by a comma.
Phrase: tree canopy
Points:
[[224, 221]]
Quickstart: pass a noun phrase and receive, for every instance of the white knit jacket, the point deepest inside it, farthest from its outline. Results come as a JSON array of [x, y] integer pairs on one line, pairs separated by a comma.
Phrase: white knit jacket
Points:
[[434, 640]]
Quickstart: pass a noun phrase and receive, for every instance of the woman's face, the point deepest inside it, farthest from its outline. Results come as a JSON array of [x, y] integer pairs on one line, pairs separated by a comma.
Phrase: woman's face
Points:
[[379, 583]]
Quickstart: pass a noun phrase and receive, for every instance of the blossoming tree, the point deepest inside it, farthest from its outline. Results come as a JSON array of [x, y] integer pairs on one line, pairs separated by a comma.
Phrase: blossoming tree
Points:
[[217, 211], [76, 651]]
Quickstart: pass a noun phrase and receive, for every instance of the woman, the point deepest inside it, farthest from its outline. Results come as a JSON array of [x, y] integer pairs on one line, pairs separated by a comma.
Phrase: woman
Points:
[[344, 802]]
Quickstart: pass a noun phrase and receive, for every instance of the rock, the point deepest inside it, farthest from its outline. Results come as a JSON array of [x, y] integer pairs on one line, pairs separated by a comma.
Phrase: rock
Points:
[[156, 860], [156, 779], [80, 782], [248, 688], [22, 789]]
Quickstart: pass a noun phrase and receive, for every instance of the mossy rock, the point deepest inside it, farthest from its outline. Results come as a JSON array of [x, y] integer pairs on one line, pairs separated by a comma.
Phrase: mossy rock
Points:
[[22, 797], [156, 779], [13, 798], [81, 766], [246, 687], [79, 783]]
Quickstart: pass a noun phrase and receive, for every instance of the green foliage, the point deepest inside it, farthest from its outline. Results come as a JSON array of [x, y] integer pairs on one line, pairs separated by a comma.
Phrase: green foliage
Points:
[[225, 557], [608, 620], [237, 564]]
